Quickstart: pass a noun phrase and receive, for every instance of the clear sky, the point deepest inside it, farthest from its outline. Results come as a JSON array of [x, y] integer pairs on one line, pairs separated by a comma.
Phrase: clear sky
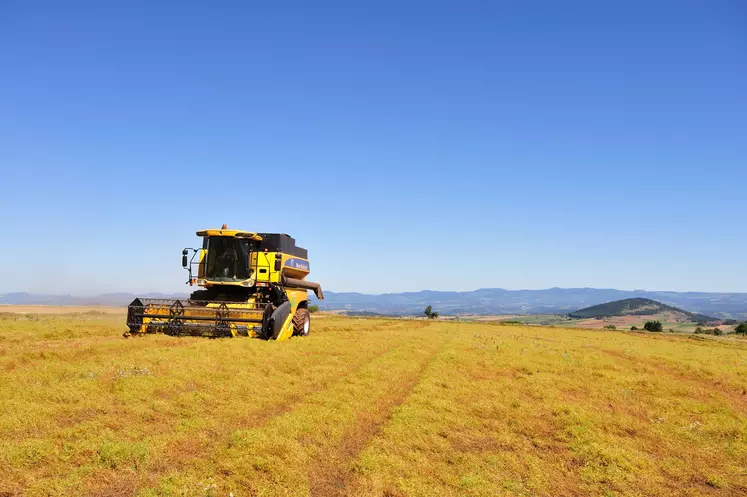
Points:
[[408, 145]]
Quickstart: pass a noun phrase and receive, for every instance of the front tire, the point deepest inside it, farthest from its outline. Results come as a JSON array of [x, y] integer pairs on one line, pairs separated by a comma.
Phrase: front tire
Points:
[[302, 322], [266, 330]]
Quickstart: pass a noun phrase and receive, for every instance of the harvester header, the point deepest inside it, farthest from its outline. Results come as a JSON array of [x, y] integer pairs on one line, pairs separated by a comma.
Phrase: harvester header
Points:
[[254, 285]]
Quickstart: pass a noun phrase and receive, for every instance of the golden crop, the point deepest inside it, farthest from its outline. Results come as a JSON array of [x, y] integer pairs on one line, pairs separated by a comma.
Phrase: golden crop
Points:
[[369, 407]]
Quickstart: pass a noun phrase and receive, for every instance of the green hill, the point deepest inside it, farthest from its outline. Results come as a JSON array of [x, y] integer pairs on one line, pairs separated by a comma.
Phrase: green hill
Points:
[[636, 307]]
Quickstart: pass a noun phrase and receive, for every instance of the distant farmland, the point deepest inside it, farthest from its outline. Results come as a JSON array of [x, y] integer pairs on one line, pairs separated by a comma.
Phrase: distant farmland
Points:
[[369, 407]]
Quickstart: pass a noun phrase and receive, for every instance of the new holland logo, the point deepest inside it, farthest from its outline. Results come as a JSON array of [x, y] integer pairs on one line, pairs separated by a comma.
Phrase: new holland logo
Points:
[[297, 264]]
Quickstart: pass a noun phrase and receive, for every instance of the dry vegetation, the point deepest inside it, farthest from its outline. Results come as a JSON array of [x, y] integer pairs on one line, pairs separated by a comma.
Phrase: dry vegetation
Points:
[[60, 309], [369, 407]]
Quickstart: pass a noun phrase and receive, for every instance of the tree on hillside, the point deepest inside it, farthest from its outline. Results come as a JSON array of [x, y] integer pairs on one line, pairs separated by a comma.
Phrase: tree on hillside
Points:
[[741, 329], [653, 326], [313, 308], [634, 328]]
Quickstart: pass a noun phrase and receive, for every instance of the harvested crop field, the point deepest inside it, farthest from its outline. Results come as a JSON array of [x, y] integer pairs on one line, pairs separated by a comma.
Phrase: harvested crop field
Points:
[[369, 407], [61, 309]]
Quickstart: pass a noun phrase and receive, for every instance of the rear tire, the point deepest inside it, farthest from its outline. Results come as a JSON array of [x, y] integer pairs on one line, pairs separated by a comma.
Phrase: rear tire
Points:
[[302, 322]]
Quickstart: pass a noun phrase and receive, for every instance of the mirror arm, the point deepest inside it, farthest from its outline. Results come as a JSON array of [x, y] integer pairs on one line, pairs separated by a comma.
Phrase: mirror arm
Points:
[[186, 265]]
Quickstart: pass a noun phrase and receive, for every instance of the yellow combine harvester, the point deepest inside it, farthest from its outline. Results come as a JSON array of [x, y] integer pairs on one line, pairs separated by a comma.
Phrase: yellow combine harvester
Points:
[[254, 286]]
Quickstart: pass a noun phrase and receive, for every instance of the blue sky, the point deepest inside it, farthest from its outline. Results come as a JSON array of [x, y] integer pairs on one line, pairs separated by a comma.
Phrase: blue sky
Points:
[[407, 145]]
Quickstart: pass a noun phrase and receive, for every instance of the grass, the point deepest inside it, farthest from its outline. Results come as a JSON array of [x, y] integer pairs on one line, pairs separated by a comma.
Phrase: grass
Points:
[[369, 407], [638, 321], [543, 319]]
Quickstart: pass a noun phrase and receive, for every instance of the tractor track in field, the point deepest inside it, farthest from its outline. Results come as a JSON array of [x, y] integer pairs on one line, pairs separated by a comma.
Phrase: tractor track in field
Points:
[[267, 415], [258, 419], [333, 477]]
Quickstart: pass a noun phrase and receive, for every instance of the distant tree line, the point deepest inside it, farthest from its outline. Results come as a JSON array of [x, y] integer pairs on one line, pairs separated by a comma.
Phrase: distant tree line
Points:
[[709, 331], [740, 329]]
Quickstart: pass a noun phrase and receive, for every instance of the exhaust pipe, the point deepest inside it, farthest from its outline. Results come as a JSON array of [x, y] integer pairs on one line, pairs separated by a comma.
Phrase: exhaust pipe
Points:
[[308, 285]]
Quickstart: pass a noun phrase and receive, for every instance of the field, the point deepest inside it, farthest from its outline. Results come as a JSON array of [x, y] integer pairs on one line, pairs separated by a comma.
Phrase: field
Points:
[[668, 321], [59, 309], [369, 407]]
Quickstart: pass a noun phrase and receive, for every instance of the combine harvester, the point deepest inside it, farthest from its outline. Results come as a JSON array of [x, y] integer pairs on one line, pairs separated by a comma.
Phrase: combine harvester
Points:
[[254, 286]]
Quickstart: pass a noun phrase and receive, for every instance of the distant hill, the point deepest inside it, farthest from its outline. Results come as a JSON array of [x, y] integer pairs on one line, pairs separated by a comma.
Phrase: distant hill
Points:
[[107, 299], [483, 301], [637, 307], [548, 301]]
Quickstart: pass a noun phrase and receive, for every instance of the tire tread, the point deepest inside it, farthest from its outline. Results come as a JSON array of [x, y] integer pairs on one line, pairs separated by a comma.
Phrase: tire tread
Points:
[[298, 320]]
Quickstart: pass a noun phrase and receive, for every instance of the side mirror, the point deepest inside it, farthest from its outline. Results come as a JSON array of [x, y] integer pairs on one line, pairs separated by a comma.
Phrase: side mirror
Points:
[[184, 258], [278, 261]]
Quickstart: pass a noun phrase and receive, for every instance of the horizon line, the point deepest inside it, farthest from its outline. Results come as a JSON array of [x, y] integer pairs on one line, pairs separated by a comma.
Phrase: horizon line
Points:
[[393, 293]]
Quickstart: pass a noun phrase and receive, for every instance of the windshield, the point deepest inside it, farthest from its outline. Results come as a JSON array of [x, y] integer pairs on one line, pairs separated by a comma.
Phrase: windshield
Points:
[[227, 258]]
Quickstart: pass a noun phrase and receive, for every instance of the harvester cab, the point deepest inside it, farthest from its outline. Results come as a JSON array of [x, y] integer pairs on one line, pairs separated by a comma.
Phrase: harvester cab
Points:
[[254, 284]]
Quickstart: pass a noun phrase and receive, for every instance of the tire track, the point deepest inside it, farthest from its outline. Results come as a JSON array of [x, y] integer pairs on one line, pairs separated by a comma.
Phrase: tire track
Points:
[[284, 456], [333, 477], [256, 420]]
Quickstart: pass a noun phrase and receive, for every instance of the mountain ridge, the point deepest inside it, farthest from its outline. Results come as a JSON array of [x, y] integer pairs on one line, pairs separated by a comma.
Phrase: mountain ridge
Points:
[[481, 301]]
